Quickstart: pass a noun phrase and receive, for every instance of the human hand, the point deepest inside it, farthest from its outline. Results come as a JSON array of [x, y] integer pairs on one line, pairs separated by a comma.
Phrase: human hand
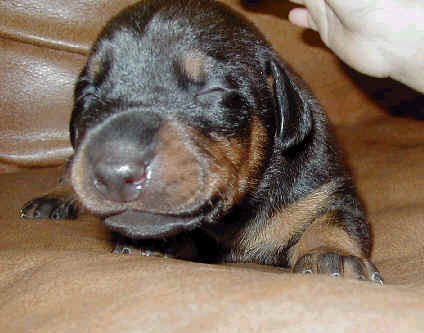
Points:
[[381, 38]]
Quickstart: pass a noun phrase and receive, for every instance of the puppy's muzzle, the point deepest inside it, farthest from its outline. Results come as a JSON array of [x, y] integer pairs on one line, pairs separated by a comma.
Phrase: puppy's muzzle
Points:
[[136, 160], [152, 176]]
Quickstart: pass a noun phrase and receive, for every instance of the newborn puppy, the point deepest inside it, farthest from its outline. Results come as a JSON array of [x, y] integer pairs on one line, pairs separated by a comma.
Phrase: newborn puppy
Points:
[[190, 132]]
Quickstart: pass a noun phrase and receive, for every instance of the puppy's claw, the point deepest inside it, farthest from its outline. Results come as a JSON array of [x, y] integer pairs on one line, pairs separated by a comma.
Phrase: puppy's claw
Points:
[[336, 265], [49, 208], [122, 249], [375, 275], [128, 247]]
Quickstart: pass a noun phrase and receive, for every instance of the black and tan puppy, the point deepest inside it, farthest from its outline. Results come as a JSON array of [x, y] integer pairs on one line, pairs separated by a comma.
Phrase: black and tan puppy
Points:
[[190, 130]]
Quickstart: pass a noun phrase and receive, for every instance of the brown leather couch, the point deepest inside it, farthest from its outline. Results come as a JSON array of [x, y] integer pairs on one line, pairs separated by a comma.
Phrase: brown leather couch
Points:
[[60, 276]]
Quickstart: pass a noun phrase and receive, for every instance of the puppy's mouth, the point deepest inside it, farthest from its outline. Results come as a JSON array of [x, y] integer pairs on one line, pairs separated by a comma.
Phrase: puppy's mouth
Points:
[[138, 224], [144, 225]]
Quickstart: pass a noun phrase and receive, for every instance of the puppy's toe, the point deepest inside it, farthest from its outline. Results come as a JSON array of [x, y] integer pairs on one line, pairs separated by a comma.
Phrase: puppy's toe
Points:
[[361, 269], [49, 208], [125, 249], [337, 265]]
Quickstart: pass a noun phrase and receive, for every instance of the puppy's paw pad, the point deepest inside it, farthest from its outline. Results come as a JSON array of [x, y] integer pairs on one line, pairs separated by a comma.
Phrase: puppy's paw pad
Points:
[[337, 265], [49, 208]]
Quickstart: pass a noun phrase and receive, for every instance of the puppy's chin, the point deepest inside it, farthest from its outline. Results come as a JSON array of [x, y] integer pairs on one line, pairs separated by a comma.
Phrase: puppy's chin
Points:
[[143, 225]]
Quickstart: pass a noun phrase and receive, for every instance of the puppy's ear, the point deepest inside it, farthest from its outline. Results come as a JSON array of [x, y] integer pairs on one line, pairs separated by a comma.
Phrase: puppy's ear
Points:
[[292, 105]]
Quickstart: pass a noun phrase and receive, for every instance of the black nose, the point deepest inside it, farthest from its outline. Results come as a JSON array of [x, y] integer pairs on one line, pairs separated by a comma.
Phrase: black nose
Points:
[[120, 180], [120, 151]]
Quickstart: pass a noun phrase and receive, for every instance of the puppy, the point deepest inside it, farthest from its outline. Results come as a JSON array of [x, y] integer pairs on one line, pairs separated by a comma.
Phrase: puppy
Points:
[[194, 138]]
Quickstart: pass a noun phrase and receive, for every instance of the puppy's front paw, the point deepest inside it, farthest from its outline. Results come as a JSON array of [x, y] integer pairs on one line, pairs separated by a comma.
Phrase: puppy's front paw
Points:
[[338, 265], [49, 207]]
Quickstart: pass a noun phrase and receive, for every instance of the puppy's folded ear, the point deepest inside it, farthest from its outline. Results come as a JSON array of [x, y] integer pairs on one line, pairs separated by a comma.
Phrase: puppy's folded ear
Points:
[[292, 105]]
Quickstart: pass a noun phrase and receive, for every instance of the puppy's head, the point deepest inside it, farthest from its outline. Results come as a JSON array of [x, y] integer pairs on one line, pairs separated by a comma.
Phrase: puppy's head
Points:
[[176, 114]]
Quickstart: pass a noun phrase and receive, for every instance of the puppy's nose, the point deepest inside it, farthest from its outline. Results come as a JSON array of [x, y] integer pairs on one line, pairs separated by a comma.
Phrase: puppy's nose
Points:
[[120, 180], [120, 150]]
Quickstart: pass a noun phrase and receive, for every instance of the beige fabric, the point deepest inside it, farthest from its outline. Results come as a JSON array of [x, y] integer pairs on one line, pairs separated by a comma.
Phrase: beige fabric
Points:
[[59, 276]]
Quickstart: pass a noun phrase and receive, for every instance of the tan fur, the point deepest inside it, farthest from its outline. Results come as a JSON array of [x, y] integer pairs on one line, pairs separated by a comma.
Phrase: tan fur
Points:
[[96, 66], [235, 162], [193, 65], [78, 180], [275, 232], [255, 158], [324, 236]]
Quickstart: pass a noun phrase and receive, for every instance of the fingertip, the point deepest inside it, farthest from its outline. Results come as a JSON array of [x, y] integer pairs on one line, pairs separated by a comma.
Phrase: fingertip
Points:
[[301, 18], [298, 16]]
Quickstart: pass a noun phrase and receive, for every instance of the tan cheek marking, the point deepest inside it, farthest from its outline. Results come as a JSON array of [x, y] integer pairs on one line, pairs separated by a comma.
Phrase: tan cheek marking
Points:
[[85, 192], [78, 180], [225, 156], [325, 236], [77, 174], [179, 169], [256, 155], [270, 82], [95, 66], [278, 229], [237, 162]]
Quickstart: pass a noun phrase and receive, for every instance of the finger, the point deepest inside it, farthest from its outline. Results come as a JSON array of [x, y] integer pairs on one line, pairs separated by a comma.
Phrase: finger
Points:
[[299, 2], [302, 18]]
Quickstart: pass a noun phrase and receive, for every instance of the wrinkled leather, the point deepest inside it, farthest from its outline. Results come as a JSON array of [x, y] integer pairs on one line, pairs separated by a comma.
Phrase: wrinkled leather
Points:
[[42, 47], [69, 25], [60, 275], [36, 100]]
